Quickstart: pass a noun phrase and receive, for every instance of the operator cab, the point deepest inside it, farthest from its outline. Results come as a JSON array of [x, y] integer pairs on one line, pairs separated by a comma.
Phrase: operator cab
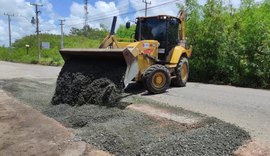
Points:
[[162, 28]]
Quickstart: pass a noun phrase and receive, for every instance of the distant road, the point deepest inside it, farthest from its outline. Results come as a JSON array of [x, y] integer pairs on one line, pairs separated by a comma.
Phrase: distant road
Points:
[[247, 108], [45, 74]]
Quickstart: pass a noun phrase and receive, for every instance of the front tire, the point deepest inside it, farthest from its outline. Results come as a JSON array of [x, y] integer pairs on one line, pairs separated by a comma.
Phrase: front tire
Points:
[[181, 73], [156, 79]]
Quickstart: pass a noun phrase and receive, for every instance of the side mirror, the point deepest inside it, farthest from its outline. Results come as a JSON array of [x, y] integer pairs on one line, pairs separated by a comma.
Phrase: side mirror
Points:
[[128, 25]]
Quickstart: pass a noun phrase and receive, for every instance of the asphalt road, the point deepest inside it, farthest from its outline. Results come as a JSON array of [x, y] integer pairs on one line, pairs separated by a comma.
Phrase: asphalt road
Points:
[[45, 74], [247, 108]]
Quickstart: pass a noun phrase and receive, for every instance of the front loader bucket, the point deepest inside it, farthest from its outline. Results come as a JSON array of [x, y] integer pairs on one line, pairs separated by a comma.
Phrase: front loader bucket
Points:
[[107, 63], [93, 54], [108, 58], [91, 76]]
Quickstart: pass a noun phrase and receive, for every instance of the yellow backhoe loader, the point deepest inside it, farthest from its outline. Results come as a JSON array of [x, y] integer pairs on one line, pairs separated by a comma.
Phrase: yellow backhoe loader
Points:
[[156, 56]]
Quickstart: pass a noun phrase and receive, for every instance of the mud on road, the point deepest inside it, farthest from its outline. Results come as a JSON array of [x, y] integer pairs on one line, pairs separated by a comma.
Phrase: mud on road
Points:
[[128, 132]]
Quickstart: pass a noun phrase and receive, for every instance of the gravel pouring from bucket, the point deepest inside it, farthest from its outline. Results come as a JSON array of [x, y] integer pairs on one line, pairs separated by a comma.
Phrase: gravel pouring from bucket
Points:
[[91, 76]]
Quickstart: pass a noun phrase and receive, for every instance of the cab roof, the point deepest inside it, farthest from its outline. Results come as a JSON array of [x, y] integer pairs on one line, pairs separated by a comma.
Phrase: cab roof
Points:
[[158, 16]]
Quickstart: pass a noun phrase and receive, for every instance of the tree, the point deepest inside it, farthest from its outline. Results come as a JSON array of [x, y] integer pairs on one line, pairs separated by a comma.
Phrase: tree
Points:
[[230, 45], [123, 32], [91, 33]]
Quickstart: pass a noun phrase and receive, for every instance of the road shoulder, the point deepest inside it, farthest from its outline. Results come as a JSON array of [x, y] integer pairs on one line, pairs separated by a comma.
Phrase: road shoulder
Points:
[[25, 131]]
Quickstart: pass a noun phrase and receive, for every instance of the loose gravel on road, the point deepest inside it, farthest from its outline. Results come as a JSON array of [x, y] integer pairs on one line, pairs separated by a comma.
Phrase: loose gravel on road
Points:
[[127, 132], [89, 82]]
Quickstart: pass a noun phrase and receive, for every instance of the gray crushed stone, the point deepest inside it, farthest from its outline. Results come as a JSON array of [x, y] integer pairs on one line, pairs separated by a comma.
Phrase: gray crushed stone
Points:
[[89, 82], [126, 132]]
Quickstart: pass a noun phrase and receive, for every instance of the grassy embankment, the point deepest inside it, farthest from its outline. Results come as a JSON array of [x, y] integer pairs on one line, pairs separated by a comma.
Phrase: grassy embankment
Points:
[[48, 57]]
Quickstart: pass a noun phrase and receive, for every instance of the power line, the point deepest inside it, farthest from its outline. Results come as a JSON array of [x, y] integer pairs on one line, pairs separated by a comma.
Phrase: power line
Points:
[[119, 9], [131, 12], [97, 16], [126, 13], [120, 14], [24, 17], [37, 24]]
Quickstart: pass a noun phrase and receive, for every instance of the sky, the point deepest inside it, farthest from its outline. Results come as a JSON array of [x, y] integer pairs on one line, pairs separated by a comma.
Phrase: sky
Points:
[[72, 11]]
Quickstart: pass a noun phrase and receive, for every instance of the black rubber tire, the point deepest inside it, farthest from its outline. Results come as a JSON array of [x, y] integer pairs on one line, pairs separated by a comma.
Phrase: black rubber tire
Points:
[[178, 81], [148, 78]]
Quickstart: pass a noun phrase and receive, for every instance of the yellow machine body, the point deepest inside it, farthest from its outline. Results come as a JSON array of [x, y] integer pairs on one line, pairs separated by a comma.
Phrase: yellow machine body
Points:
[[138, 55]]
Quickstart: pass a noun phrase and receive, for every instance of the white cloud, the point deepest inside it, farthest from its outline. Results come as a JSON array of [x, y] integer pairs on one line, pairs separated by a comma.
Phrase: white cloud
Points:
[[21, 21], [76, 9], [99, 13], [157, 7], [20, 24]]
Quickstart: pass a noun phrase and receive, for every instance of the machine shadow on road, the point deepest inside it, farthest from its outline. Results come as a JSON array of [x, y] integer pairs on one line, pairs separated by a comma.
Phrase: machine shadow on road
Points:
[[137, 88]]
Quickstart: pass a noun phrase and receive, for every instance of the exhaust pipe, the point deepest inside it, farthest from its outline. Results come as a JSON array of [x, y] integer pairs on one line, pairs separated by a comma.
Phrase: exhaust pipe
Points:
[[113, 25]]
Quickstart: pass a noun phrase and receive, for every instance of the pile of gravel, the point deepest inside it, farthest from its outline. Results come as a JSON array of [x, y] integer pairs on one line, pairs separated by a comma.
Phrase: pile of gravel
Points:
[[84, 81], [126, 132]]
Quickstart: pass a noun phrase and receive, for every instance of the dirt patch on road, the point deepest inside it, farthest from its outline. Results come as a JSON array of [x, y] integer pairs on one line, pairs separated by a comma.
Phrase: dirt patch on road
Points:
[[165, 113], [25, 131], [253, 148]]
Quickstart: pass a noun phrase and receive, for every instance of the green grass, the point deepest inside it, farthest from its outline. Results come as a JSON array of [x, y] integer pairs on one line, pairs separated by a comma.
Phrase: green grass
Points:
[[51, 56]]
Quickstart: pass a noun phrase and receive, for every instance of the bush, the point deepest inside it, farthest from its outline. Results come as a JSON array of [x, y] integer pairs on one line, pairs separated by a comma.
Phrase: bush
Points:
[[230, 45]]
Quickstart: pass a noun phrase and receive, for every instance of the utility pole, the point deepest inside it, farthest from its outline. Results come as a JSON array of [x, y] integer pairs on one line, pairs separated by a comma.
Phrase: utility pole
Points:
[[85, 13], [37, 27], [62, 32], [9, 29], [146, 3]]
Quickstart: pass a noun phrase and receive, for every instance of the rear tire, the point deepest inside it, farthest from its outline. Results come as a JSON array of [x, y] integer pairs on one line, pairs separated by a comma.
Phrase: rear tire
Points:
[[156, 79], [181, 72]]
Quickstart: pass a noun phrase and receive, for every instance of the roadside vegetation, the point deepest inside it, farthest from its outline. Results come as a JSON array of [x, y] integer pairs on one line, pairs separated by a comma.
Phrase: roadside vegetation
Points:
[[230, 45], [48, 56]]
